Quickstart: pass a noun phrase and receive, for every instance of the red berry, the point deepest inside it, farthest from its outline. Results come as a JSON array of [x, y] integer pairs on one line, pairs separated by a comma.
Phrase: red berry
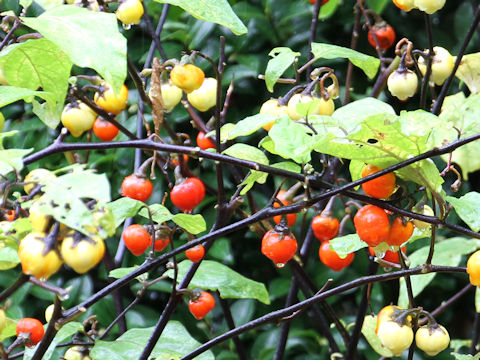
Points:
[[136, 239], [136, 187], [291, 218], [372, 225], [104, 130], [30, 326], [331, 259], [203, 142], [202, 305], [385, 36], [188, 194], [400, 232], [160, 244], [196, 253], [278, 247], [381, 187], [325, 227]]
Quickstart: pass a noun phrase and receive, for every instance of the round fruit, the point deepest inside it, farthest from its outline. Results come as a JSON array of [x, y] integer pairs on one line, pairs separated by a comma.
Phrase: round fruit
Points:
[[390, 256], [381, 187], [110, 101], [136, 239], [325, 227], [473, 268], [161, 244], [175, 159], [388, 313], [271, 107], [201, 306], [405, 5], [324, 107], [38, 219], [82, 253], [291, 218], [31, 327], [395, 337], [32, 259], [188, 194], [203, 142], [385, 36], [400, 232], [331, 259], [205, 97], [130, 12], [278, 247], [428, 211], [432, 340], [442, 65], [187, 77], [104, 130], [49, 312], [430, 6], [171, 95], [77, 353], [196, 253], [78, 119], [36, 176], [136, 187], [372, 225], [402, 85]]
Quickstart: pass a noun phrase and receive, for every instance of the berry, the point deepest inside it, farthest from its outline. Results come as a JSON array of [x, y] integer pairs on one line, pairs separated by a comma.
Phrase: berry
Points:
[[292, 217], [136, 239], [325, 227], [331, 259], [130, 12], [432, 339], [196, 253], [385, 36], [400, 232], [188, 194], [110, 101], [473, 268], [104, 130], [187, 77], [279, 247], [372, 225], [402, 84], [82, 253], [137, 187], [203, 142], [201, 306], [33, 328], [205, 97]]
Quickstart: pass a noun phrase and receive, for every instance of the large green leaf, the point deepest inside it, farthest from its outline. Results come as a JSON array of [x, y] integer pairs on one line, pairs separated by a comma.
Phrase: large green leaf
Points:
[[123, 208], [90, 38], [447, 253], [8, 258], [283, 58], [11, 159], [215, 276], [215, 11], [10, 94], [174, 343], [38, 64], [368, 64], [468, 208], [248, 125]]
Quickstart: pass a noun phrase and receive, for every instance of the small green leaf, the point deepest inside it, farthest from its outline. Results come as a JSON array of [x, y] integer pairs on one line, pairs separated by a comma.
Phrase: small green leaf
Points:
[[123, 208], [160, 213], [283, 58], [368, 330], [121, 272], [174, 343], [214, 11], [328, 9], [289, 166], [194, 224], [468, 208], [247, 152], [75, 31], [465, 357], [368, 64], [249, 125], [8, 258], [9, 330], [447, 253], [215, 276], [345, 245]]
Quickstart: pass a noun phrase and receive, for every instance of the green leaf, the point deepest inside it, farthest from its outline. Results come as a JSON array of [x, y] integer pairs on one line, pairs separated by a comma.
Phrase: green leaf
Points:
[[465, 357], [289, 166], [248, 125], [328, 9], [160, 213], [469, 72], [9, 330], [345, 245], [75, 31], [468, 208], [63, 196], [67, 331], [174, 343], [37, 64], [214, 11], [215, 276], [247, 152], [447, 253], [283, 58], [368, 330], [123, 208], [194, 224], [368, 64], [8, 258], [10, 94], [121, 272], [291, 140], [11, 159]]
